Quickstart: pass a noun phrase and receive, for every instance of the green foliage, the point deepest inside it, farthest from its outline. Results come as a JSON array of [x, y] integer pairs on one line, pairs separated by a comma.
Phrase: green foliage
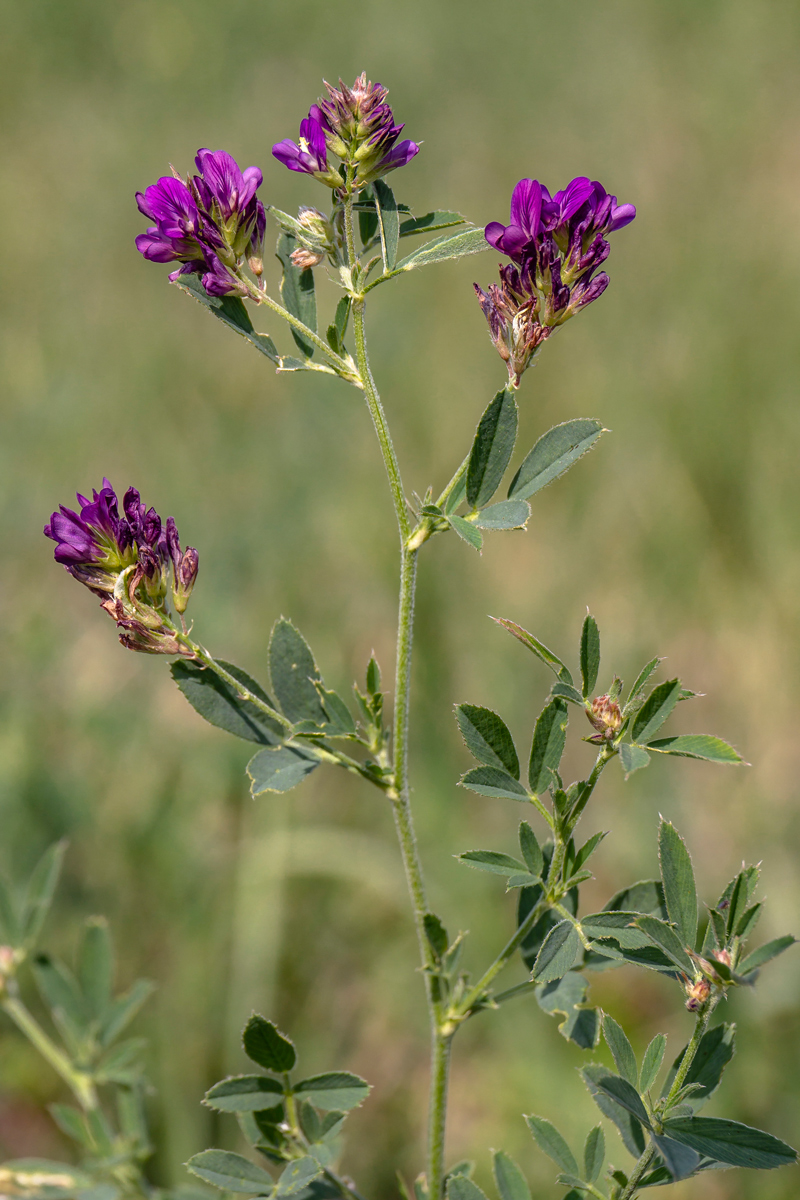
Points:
[[297, 292], [553, 454], [487, 737], [232, 312], [552, 1143], [266, 1045], [492, 448], [566, 997], [511, 1183], [219, 704], [230, 1172], [730, 1142], [590, 654], [388, 222], [549, 738], [677, 875]]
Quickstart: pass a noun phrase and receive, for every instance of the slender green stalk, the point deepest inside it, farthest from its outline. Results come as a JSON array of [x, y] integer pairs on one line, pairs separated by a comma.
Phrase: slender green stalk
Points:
[[638, 1173], [342, 366], [79, 1083], [701, 1025], [440, 1071], [399, 793]]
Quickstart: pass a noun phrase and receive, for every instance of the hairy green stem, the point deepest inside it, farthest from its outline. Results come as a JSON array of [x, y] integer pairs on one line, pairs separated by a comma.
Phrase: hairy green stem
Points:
[[78, 1081], [512, 945], [341, 365], [701, 1025], [399, 793]]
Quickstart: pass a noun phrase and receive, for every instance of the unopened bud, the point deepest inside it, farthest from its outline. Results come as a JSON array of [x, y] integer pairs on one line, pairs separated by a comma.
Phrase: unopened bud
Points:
[[697, 993], [722, 956], [606, 717], [303, 258], [8, 964], [184, 577]]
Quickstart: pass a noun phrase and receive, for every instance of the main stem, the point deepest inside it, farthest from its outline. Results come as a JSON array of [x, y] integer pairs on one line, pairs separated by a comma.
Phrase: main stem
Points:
[[399, 794]]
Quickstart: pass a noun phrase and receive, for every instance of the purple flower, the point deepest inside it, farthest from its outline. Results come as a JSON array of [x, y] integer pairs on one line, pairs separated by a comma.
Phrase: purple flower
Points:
[[127, 560], [311, 155], [357, 125], [557, 244], [208, 223]]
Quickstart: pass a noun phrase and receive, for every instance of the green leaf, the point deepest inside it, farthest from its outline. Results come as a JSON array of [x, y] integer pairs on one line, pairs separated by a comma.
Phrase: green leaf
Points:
[[557, 954], [665, 937], [716, 1049], [232, 312], [429, 221], [243, 1093], [294, 674], [457, 496], [624, 1094], [10, 925], [96, 966], [459, 1187], [297, 1176], [264, 1044], [466, 531], [594, 1154], [511, 1183], [531, 850], [566, 997], [765, 954], [655, 710], [628, 1126], [70, 1121], [487, 737], [492, 448], [552, 1143], [536, 647], [279, 769], [341, 318], [587, 849], [618, 925], [678, 879], [567, 692], [492, 861], [632, 758], [506, 514], [39, 893], [621, 1050], [651, 1063], [452, 245], [636, 694], [748, 922], [553, 454], [491, 781], [231, 1172], [59, 989], [340, 721], [123, 1063], [334, 1090], [730, 1142], [646, 896], [297, 292], [436, 935], [681, 1161], [388, 222], [122, 1011], [549, 737], [220, 704], [590, 654], [698, 745]]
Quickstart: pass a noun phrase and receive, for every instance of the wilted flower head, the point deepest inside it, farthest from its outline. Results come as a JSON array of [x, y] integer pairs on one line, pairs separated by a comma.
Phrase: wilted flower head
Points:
[[130, 561], [558, 244], [357, 125], [209, 223]]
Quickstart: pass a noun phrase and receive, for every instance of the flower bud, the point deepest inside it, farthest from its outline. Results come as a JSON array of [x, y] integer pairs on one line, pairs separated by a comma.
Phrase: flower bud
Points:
[[184, 576], [697, 993], [606, 717]]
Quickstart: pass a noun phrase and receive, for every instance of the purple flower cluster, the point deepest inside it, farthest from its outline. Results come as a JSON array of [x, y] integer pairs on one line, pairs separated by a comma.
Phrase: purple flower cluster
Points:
[[209, 223], [357, 125], [129, 561], [557, 245]]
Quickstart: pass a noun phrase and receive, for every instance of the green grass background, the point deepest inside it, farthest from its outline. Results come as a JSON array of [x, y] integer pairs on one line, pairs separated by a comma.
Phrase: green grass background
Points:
[[680, 531]]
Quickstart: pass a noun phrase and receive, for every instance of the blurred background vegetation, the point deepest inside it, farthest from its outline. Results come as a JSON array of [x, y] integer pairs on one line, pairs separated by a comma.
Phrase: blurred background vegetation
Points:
[[680, 531]]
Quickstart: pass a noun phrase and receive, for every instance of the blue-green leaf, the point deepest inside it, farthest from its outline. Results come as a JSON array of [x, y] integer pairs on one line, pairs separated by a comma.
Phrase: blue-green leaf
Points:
[[39, 892], [232, 312], [294, 674], [220, 704], [297, 1176], [297, 292], [265, 1044], [279, 769], [466, 531], [493, 861], [651, 1062], [511, 1183], [594, 1153], [632, 758], [335, 1090], [677, 876], [621, 1050], [552, 1143], [230, 1172], [531, 850], [731, 1142], [244, 1093], [557, 954], [388, 222], [536, 647], [629, 1127], [665, 937], [698, 745], [506, 514], [765, 954], [553, 454], [492, 448], [96, 966], [491, 781], [654, 712], [590, 654], [459, 1187], [429, 221], [566, 997], [487, 737], [549, 738], [451, 245], [623, 1093]]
